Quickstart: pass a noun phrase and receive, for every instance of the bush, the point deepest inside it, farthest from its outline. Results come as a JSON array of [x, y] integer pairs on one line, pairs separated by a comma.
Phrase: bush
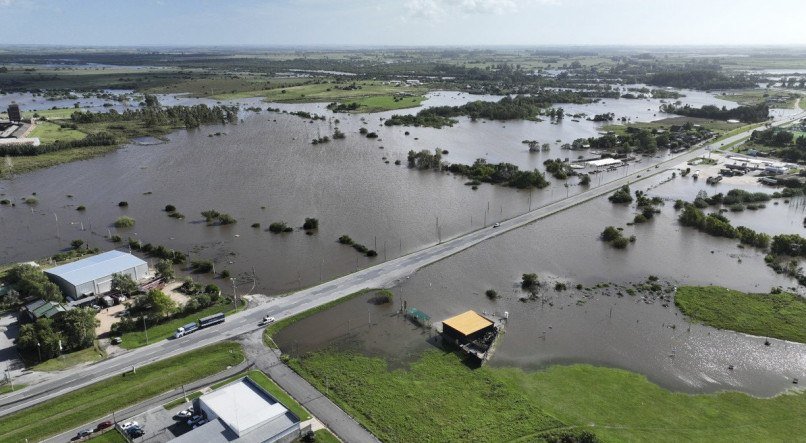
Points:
[[76, 244], [202, 266], [384, 296], [620, 243], [224, 274], [256, 225], [124, 222], [177, 215], [640, 218], [529, 281], [123, 204], [115, 239], [372, 253], [622, 195], [81, 208], [610, 233], [170, 208], [278, 227], [310, 224], [345, 240], [226, 219], [212, 289], [559, 286], [491, 294]]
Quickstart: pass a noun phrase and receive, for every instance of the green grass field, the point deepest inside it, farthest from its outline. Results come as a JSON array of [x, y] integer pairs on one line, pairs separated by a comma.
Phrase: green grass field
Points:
[[65, 361], [441, 399], [113, 436], [6, 388], [372, 97], [768, 315], [756, 96], [94, 401], [192, 396], [325, 436], [21, 165], [136, 339], [51, 132], [713, 125]]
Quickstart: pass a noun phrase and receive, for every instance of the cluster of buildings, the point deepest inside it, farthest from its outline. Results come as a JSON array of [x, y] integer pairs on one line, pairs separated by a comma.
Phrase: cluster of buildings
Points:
[[84, 281], [15, 131]]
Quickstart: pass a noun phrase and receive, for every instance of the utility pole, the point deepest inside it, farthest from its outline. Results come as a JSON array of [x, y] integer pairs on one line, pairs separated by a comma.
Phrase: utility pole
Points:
[[234, 294], [39, 350], [57, 225], [145, 329]]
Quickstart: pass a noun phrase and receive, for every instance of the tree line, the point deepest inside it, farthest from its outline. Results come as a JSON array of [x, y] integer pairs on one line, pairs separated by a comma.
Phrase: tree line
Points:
[[747, 114]]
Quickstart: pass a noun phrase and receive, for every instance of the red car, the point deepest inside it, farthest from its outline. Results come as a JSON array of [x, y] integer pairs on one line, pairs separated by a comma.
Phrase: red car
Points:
[[104, 425]]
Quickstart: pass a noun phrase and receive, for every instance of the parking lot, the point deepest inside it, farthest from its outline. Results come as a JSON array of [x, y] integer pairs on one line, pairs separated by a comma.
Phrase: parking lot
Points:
[[160, 425]]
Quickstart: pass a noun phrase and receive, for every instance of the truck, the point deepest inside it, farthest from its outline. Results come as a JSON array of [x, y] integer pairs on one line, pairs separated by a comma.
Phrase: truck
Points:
[[211, 320], [186, 329]]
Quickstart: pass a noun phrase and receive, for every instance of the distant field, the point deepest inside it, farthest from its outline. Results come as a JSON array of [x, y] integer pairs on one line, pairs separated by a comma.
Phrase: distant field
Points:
[[51, 132], [714, 125], [21, 165], [756, 96], [767, 315], [86, 404], [372, 96], [440, 399]]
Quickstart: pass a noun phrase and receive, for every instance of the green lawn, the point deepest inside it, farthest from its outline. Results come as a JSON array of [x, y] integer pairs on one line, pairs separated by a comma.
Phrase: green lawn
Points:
[[94, 401], [69, 360], [136, 339], [756, 96], [768, 315], [21, 165], [325, 436], [6, 388], [113, 436], [387, 103], [51, 132], [441, 399], [53, 114], [275, 327]]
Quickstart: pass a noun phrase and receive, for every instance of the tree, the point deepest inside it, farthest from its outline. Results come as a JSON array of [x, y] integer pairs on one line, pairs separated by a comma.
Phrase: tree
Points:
[[39, 337], [78, 328], [529, 281], [76, 244], [310, 224], [124, 284], [622, 195], [30, 281], [158, 303], [165, 270], [610, 233]]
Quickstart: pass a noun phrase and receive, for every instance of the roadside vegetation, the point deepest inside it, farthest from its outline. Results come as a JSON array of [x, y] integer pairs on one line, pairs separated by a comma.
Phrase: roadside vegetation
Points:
[[779, 315], [86, 404]]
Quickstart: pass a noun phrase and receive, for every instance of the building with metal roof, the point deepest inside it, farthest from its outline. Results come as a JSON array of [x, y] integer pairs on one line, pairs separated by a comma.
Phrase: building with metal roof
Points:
[[472, 333], [93, 275], [242, 411], [43, 309], [466, 324]]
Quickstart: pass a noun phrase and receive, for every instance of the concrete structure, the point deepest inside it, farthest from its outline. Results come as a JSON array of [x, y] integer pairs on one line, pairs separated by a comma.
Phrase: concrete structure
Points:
[[466, 327], [34, 141], [242, 411], [43, 309], [93, 275]]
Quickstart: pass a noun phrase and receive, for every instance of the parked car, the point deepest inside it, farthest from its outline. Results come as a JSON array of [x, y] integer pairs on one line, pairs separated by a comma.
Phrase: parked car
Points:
[[266, 320], [85, 433], [496, 225], [116, 340], [187, 413], [135, 432], [103, 425], [129, 424], [193, 420]]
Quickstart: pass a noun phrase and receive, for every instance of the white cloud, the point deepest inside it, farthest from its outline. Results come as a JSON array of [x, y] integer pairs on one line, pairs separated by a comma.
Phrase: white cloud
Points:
[[438, 10]]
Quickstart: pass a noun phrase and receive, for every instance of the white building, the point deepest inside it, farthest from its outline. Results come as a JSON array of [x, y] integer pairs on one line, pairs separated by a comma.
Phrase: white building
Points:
[[93, 275], [603, 162], [242, 411]]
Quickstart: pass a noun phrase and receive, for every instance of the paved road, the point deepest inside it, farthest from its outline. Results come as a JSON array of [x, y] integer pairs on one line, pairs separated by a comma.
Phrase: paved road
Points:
[[382, 275], [320, 406]]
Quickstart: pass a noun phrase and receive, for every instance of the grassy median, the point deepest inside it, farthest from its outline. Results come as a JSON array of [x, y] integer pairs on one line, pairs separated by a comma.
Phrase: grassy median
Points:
[[440, 399], [161, 331], [768, 315], [97, 400]]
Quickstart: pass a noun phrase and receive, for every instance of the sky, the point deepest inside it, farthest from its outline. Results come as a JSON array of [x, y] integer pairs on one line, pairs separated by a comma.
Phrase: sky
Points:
[[402, 22]]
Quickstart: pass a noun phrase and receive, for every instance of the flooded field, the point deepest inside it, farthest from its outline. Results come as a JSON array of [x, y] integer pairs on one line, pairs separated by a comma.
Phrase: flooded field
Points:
[[604, 325]]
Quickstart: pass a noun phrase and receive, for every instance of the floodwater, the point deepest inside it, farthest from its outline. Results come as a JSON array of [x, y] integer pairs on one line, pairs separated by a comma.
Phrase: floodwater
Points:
[[604, 326], [265, 169]]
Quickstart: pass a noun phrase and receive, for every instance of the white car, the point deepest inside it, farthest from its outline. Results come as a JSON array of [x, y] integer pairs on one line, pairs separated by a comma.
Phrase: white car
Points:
[[496, 225], [187, 413], [129, 424], [266, 320]]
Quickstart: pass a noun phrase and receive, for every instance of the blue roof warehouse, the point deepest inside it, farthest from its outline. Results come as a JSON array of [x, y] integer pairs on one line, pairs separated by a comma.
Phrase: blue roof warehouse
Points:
[[93, 275]]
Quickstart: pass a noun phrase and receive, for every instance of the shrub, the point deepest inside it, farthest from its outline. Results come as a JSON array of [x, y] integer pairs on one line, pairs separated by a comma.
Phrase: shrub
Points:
[[170, 208], [81, 208], [491, 294], [226, 219], [115, 239], [176, 215], [255, 225], [610, 233], [622, 195], [360, 248], [278, 227], [559, 286], [4, 202], [620, 243], [31, 201], [310, 224], [372, 253], [123, 204], [529, 281], [640, 218], [124, 222], [202, 266], [211, 289], [224, 274], [384, 296], [76, 244], [345, 240]]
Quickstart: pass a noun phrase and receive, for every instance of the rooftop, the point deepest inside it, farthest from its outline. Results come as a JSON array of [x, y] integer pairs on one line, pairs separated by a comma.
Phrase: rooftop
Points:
[[42, 308], [95, 267], [467, 323]]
